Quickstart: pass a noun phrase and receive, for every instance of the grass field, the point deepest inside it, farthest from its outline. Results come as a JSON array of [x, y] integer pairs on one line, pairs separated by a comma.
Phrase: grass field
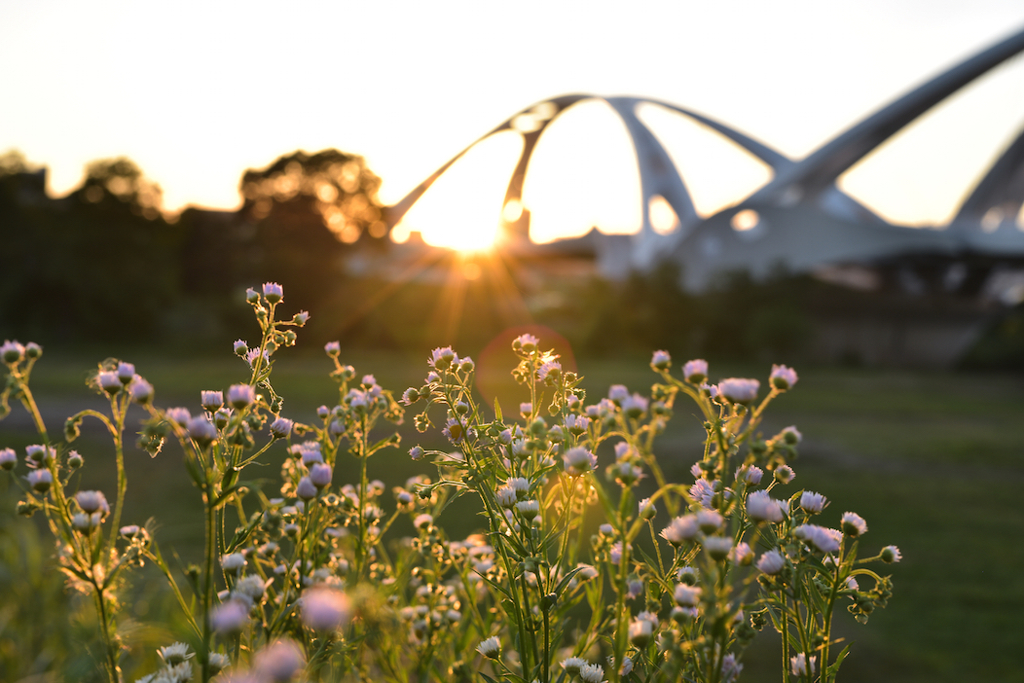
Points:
[[933, 462]]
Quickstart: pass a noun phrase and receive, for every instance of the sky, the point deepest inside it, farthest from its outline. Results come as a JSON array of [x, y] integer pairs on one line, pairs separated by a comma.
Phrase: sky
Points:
[[196, 92]]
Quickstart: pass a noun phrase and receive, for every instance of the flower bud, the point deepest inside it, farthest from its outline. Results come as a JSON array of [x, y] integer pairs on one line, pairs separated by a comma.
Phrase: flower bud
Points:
[[320, 474], [281, 427], [75, 460], [125, 372], [661, 360], [33, 351], [306, 489], [12, 352], [273, 292], [109, 381], [890, 554], [212, 401], [8, 458], [241, 395], [40, 480]]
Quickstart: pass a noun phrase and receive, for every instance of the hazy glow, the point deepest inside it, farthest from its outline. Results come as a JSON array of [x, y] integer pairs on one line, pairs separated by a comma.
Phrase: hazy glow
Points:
[[462, 209], [922, 174], [583, 174], [745, 220], [663, 217], [716, 171]]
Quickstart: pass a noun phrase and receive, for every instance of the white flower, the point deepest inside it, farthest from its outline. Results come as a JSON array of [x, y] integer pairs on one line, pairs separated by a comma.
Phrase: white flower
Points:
[[325, 609], [798, 664], [520, 485], [279, 662], [572, 666], [646, 509], [718, 547], [229, 617], [854, 525], [661, 360], [681, 529], [695, 371], [579, 461], [528, 508], [782, 377], [738, 390], [784, 474], [709, 521], [741, 554], [825, 540], [640, 632], [241, 395], [890, 554], [92, 501], [812, 502], [174, 654], [771, 562], [762, 507], [751, 475], [505, 496], [730, 668], [320, 474], [592, 673], [490, 648], [687, 596]]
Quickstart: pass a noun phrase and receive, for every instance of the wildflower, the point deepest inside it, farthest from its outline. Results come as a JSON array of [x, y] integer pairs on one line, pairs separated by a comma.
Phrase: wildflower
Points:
[[695, 371], [687, 596], [490, 648], [252, 587], [634, 406], [783, 378], [332, 349], [640, 632], [306, 490], [730, 668], [311, 456], [410, 396], [212, 401], [812, 502], [526, 343], [520, 485], [40, 480], [577, 424], [626, 668], [181, 416], [217, 662], [646, 509], [526, 409], [579, 461], [125, 372], [38, 455], [529, 509], [129, 531], [233, 562], [12, 352], [891, 554], [851, 584], [784, 474], [423, 520], [442, 359], [825, 540], [606, 529], [8, 458], [741, 554], [33, 350], [82, 522], [279, 662], [92, 501], [618, 393], [454, 430], [681, 529], [416, 452], [201, 431], [634, 589], [253, 355], [109, 382], [854, 525], [572, 666], [506, 497], [325, 609], [718, 547], [466, 364], [592, 673], [175, 654], [241, 396], [761, 507], [751, 475], [272, 292], [703, 492], [688, 575], [800, 663], [615, 553], [75, 460], [792, 435], [737, 390], [281, 427], [240, 347], [229, 617], [549, 373], [320, 474], [661, 360], [709, 521], [140, 390], [771, 562]]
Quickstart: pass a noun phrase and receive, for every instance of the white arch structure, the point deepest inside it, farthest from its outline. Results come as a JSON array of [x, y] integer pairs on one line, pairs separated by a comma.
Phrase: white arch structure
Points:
[[800, 219]]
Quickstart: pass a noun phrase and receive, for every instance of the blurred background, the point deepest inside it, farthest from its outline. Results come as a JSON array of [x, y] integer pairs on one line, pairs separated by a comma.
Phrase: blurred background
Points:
[[155, 161]]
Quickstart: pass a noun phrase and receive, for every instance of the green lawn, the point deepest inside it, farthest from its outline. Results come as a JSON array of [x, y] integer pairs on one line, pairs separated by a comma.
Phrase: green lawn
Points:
[[933, 462]]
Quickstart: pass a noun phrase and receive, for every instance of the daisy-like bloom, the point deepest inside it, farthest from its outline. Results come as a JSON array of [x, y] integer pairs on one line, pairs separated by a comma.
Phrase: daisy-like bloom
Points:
[[140, 390], [550, 372], [526, 343], [281, 427], [782, 377], [175, 654], [325, 609], [851, 584], [709, 521], [125, 372], [442, 358], [506, 497], [646, 509], [854, 525], [572, 666], [279, 662], [579, 461], [454, 430], [661, 360], [528, 508], [416, 452], [695, 371], [718, 547], [792, 435], [251, 587], [634, 406], [273, 292], [696, 470], [738, 390], [751, 474], [812, 502], [310, 456], [212, 401], [201, 431], [92, 501], [800, 664], [38, 455], [688, 575], [687, 596], [490, 648], [891, 554], [592, 673], [109, 382], [525, 409], [640, 632], [306, 489], [741, 554], [320, 474], [12, 352], [252, 355], [181, 416], [825, 540], [681, 529], [730, 668], [40, 480], [241, 395], [332, 349], [229, 617], [702, 492], [771, 562], [784, 474], [240, 347], [422, 521], [410, 396], [763, 508], [618, 393], [615, 553], [520, 485], [8, 458], [233, 562]]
